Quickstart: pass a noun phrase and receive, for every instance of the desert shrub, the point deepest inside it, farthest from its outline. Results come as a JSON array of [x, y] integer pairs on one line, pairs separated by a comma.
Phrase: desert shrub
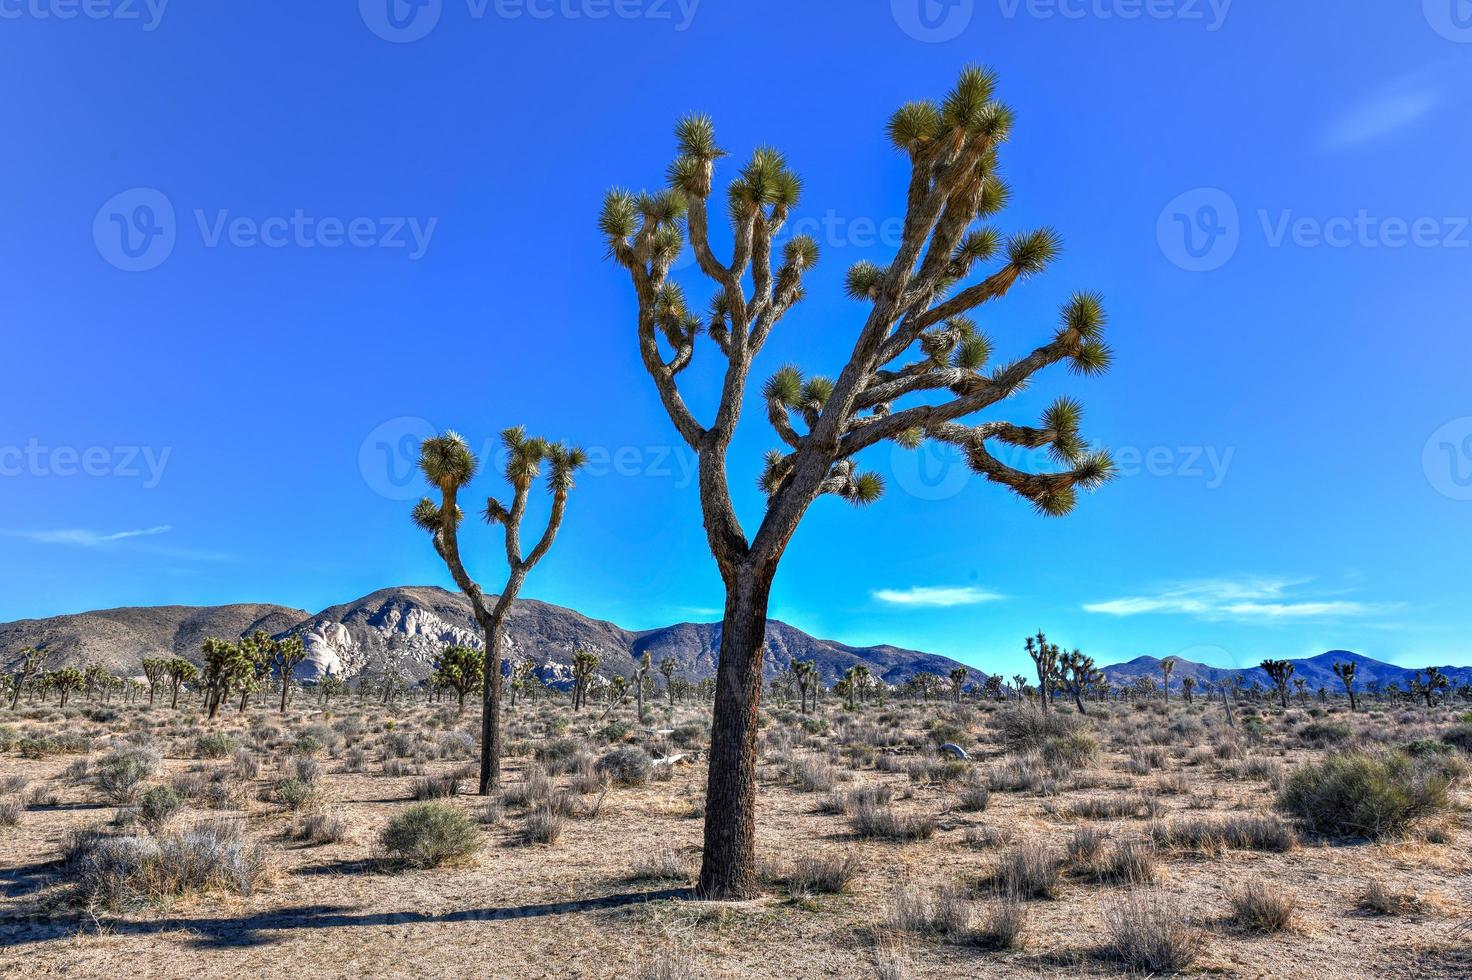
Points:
[[627, 765], [159, 805], [121, 772], [1459, 737], [1022, 774], [294, 794], [1362, 795], [491, 814], [999, 924], [307, 744], [689, 735], [1070, 751], [121, 872], [13, 785], [213, 745], [558, 755], [456, 745], [355, 759], [812, 775], [973, 797], [1323, 733], [615, 731], [305, 769], [430, 834], [875, 822], [533, 788], [1128, 862], [1085, 845], [10, 811], [36, 748], [1147, 932], [543, 824], [1028, 728], [436, 787], [245, 764], [942, 730], [1028, 871]]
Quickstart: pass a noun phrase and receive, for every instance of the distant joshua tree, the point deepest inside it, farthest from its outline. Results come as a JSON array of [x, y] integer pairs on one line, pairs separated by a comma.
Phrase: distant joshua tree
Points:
[[1430, 685], [460, 669], [1300, 686], [180, 672], [1280, 671], [1167, 667], [449, 465], [958, 680], [1345, 672], [1045, 659], [65, 682], [667, 667], [584, 663], [642, 666], [155, 669], [285, 655], [920, 299], [1079, 676], [806, 672], [32, 665], [1188, 684]]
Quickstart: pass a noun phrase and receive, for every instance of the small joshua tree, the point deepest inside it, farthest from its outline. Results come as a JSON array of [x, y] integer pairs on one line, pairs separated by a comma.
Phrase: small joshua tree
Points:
[[1430, 685], [461, 669], [32, 664], [286, 653], [523, 677], [65, 682], [180, 672], [449, 465], [155, 669], [1345, 672], [1045, 659], [806, 672], [584, 664], [667, 667], [1188, 684], [1279, 671], [958, 680], [1078, 674], [918, 302], [1167, 667], [641, 673], [222, 666], [1300, 686]]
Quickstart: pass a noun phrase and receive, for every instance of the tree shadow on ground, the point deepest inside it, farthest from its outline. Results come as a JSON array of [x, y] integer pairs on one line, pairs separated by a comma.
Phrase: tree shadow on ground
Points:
[[256, 930]]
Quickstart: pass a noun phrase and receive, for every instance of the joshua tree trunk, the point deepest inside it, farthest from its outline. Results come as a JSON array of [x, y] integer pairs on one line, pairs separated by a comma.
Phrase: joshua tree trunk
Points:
[[490, 715], [729, 865]]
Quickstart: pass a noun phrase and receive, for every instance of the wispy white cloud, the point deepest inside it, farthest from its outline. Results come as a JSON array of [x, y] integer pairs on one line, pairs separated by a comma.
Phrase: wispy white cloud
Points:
[[81, 537], [1217, 599], [1395, 105], [936, 596]]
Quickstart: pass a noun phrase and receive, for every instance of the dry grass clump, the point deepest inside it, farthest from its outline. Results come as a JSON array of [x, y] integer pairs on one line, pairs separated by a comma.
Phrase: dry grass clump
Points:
[[876, 822], [999, 923], [1148, 933], [672, 964], [10, 811], [1260, 907], [821, 874], [117, 872], [543, 825], [627, 765], [660, 866], [1214, 835], [1380, 899], [121, 773], [1028, 871], [436, 787], [942, 911], [320, 827]]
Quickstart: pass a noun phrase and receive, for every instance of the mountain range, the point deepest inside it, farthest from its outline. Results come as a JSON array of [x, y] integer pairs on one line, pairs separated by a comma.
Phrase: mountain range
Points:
[[1315, 672], [408, 627]]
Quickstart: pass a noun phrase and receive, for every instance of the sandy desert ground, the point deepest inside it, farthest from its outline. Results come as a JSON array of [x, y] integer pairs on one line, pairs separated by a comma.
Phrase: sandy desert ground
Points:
[[1139, 821]]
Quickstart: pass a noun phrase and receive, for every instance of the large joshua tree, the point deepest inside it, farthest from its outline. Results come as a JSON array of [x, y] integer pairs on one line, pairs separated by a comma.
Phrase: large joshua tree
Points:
[[919, 300], [449, 465]]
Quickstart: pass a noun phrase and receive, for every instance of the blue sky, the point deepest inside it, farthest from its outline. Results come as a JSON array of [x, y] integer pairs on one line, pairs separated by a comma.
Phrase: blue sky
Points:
[[338, 238]]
